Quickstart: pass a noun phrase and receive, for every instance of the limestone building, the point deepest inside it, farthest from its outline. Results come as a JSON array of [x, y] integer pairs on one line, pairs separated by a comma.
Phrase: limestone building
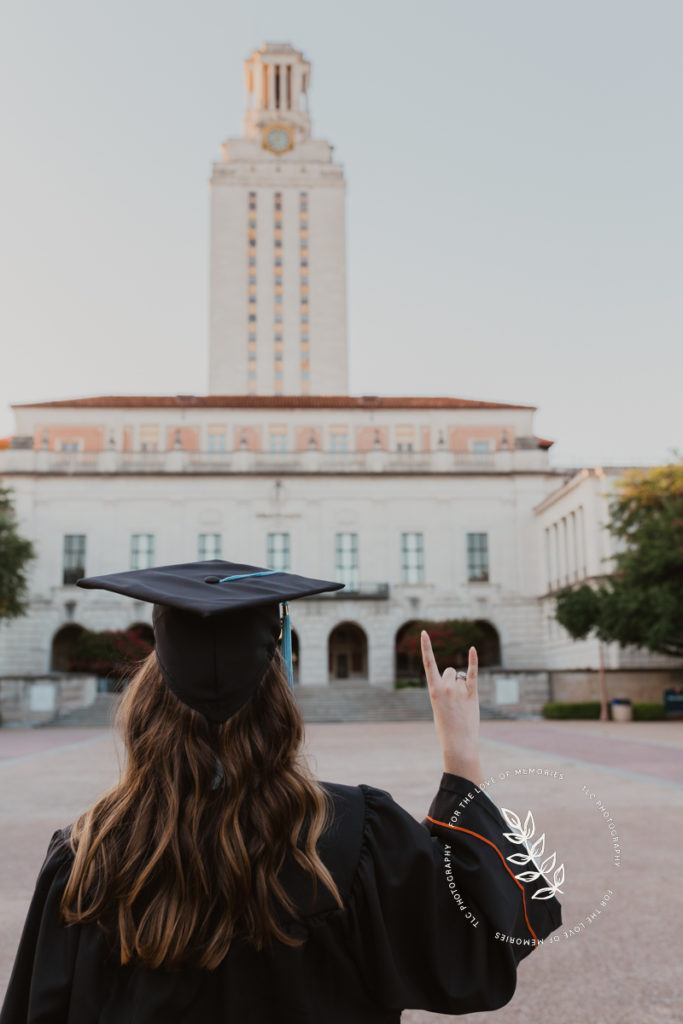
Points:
[[426, 508]]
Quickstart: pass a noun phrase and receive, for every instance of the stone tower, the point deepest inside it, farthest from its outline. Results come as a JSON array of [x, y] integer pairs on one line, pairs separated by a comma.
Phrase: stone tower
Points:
[[278, 273]]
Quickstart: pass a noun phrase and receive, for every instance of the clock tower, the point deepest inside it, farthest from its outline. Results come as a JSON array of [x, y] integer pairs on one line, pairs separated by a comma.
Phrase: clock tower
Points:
[[278, 273]]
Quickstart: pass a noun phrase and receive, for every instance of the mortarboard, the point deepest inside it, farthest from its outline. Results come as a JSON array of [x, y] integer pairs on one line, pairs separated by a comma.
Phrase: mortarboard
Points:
[[216, 625]]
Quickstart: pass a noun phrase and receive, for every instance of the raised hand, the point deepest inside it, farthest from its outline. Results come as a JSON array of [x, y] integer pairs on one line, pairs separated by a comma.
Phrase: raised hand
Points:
[[455, 703]]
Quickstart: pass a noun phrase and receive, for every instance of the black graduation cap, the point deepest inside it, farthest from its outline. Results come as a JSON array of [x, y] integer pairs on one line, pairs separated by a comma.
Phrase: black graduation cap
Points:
[[216, 625]]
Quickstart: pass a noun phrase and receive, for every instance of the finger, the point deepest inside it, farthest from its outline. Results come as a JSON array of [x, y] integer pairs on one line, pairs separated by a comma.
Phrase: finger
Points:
[[472, 668], [473, 662], [428, 660]]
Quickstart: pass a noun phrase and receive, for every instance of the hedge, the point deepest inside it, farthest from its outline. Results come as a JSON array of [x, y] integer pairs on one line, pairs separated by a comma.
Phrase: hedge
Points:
[[642, 711], [649, 711], [579, 709]]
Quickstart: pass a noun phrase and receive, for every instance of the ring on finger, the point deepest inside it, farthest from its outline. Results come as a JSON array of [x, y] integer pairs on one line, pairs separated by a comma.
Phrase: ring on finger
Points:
[[461, 675]]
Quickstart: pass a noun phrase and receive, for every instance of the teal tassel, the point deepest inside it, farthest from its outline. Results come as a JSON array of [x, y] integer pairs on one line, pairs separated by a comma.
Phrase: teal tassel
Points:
[[287, 646]]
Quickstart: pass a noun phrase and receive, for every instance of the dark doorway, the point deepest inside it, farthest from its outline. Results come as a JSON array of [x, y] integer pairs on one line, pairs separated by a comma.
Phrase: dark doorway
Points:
[[348, 652], [62, 644], [489, 648]]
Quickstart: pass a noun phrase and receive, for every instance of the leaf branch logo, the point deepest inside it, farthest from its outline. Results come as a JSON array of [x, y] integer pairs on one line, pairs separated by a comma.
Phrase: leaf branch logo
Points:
[[521, 835]]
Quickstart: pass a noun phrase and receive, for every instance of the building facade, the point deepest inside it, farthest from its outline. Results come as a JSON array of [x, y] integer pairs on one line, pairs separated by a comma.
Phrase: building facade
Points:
[[425, 508]]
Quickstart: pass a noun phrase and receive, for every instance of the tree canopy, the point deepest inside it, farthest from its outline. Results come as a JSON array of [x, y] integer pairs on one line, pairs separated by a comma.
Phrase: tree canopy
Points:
[[641, 603], [15, 554]]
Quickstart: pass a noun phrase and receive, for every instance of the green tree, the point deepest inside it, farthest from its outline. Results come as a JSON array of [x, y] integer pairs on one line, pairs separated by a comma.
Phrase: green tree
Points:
[[641, 603], [15, 554]]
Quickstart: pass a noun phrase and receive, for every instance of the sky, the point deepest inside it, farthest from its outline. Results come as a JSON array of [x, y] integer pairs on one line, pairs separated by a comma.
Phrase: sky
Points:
[[514, 214]]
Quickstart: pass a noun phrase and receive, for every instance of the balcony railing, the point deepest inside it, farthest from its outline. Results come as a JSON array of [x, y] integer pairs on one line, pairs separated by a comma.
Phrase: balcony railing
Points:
[[28, 460], [361, 592]]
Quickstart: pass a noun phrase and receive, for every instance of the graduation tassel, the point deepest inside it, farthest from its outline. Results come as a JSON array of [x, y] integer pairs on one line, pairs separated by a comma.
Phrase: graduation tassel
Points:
[[287, 645]]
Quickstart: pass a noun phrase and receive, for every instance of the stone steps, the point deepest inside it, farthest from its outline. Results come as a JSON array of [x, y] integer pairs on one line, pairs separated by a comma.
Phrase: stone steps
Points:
[[364, 703], [353, 703], [100, 713]]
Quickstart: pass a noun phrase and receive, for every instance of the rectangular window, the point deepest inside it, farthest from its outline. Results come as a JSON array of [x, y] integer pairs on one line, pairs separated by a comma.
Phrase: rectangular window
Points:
[[141, 550], [278, 435], [477, 557], [217, 437], [405, 439], [209, 546], [74, 557], [480, 446], [412, 558], [346, 559], [149, 437], [277, 553], [339, 440]]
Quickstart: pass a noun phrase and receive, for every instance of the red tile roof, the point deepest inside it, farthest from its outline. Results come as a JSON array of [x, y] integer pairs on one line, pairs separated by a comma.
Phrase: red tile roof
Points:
[[267, 402]]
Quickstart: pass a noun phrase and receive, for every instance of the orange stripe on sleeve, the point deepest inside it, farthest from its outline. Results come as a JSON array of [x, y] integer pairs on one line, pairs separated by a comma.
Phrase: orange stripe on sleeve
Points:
[[459, 828]]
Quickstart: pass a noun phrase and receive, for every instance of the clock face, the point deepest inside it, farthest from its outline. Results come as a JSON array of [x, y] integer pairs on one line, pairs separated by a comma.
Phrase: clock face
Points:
[[278, 139]]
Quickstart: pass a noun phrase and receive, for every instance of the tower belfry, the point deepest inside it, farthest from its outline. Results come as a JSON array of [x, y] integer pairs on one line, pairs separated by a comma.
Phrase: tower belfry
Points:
[[278, 273], [276, 80]]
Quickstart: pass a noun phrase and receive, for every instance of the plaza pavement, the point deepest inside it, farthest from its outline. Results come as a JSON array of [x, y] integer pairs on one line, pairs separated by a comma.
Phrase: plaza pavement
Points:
[[622, 967]]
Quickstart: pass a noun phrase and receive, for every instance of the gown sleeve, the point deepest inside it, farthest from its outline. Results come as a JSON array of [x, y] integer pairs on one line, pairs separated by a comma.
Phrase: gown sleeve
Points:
[[39, 989], [437, 920]]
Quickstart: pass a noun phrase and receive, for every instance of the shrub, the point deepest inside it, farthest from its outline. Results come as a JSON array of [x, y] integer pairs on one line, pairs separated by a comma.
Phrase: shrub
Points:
[[412, 683], [110, 653], [648, 711], [578, 709]]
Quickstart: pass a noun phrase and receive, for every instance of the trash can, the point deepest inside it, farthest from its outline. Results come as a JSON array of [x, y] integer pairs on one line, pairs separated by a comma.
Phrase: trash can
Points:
[[622, 710]]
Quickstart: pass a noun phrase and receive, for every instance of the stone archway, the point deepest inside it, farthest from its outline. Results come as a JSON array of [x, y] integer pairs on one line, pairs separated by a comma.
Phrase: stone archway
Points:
[[347, 649], [489, 648], [406, 666], [62, 645]]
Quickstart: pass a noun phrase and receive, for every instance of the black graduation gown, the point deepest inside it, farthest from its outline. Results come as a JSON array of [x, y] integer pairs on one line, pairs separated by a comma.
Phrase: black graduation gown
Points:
[[403, 938]]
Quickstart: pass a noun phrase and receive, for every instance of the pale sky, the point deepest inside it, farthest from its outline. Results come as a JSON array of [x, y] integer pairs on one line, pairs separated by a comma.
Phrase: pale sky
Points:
[[514, 215]]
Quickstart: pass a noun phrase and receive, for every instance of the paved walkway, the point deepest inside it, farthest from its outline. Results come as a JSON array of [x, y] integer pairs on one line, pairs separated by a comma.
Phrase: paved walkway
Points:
[[625, 967]]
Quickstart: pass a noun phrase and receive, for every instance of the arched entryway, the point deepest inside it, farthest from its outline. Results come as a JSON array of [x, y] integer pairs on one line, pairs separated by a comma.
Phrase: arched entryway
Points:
[[62, 646], [407, 666], [347, 648], [488, 648]]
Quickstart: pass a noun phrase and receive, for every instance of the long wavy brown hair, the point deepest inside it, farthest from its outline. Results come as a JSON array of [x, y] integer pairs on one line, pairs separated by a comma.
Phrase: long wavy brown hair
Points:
[[183, 854]]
